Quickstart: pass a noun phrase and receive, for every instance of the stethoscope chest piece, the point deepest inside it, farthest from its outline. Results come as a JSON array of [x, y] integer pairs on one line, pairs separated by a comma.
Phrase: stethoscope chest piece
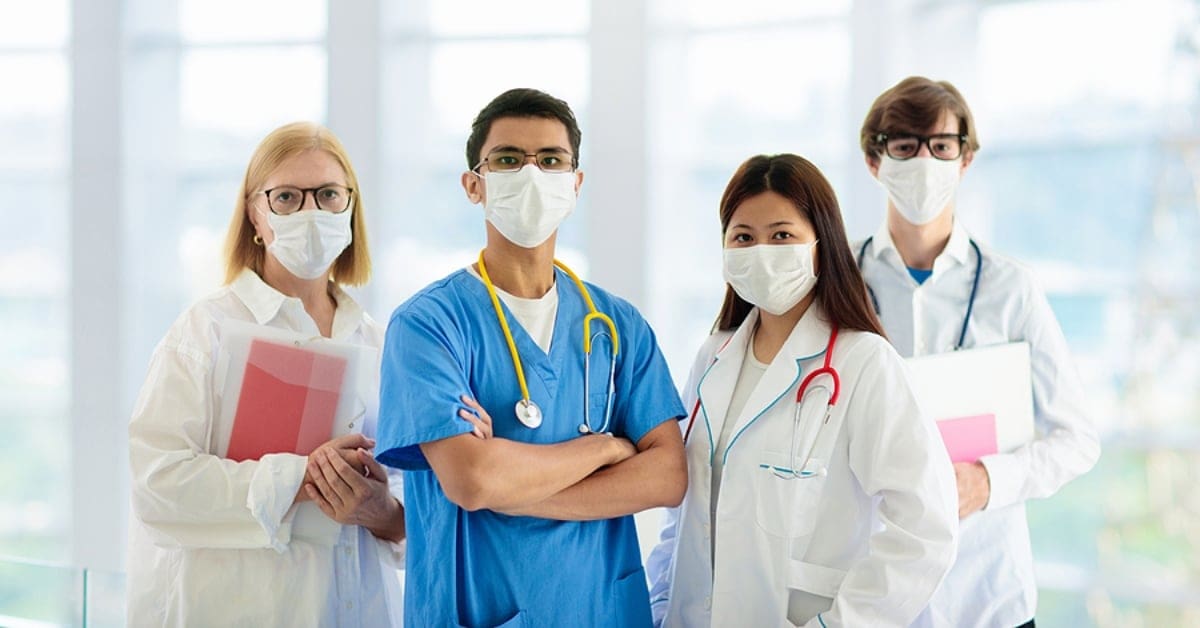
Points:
[[528, 413]]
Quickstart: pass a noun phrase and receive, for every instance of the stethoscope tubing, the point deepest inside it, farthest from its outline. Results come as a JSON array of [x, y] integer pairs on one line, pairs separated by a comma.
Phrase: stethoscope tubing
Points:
[[826, 369], [588, 340], [962, 336]]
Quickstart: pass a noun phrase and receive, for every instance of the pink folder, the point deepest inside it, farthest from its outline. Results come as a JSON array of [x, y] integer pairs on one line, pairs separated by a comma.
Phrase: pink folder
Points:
[[969, 438], [287, 403]]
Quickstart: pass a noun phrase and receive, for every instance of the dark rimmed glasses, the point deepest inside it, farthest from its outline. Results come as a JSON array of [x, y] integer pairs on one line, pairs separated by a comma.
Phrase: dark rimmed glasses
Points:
[[286, 199], [901, 146]]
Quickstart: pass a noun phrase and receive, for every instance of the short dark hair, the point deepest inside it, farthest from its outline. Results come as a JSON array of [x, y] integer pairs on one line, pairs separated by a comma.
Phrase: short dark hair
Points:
[[522, 102], [840, 287], [912, 106]]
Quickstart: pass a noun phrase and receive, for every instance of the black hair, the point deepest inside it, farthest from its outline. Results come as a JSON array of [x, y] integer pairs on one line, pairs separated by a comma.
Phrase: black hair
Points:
[[522, 103]]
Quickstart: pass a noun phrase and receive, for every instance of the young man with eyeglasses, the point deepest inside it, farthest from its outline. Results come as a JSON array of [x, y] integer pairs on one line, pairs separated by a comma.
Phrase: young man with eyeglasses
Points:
[[534, 412], [936, 289]]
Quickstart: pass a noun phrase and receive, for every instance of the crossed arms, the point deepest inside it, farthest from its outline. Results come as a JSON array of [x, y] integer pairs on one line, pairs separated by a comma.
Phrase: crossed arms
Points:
[[595, 476]]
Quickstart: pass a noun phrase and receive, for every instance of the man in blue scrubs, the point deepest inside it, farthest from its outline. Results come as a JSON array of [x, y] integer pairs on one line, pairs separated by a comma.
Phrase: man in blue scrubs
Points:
[[531, 526]]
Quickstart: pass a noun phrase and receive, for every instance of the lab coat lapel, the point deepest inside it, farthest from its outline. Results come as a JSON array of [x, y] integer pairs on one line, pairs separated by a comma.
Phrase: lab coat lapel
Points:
[[716, 385], [778, 384]]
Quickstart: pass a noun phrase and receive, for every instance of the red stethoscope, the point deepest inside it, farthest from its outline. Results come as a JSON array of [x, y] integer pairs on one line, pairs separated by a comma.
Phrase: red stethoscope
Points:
[[827, 369]]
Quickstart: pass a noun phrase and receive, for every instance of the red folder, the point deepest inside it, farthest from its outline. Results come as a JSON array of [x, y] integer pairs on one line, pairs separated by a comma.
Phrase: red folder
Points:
[[287, 402]]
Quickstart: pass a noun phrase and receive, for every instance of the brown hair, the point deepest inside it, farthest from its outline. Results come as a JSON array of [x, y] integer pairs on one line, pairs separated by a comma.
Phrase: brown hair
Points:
[[914, 105], [840, 288], [353, 266]]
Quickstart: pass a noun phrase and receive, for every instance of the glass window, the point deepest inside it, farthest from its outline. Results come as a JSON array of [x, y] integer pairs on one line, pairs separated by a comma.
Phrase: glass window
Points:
[[234, 21], [196, 112], [1091, 126], [716, 98], [437, 76], [471, 18], [763, 14], [34, 472], [40, 25]]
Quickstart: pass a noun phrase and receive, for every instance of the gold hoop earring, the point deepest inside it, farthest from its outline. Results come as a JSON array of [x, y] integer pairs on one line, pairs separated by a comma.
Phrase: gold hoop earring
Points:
[[258, 239]]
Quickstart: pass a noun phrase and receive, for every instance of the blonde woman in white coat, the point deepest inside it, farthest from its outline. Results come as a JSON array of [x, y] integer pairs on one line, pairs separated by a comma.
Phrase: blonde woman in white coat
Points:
[[214, 542], [839, 510]]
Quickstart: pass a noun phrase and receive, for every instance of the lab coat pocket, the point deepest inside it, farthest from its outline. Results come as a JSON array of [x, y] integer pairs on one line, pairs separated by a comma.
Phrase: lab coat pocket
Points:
[[785, 498], [631, 600]]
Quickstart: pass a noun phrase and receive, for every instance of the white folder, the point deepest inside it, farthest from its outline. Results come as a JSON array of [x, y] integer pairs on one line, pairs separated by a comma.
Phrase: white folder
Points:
[[362, 365], [987, 380]]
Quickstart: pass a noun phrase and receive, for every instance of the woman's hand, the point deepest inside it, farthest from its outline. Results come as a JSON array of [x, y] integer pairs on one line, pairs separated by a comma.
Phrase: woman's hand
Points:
[[351, 497], [344, 446], [480, 419]]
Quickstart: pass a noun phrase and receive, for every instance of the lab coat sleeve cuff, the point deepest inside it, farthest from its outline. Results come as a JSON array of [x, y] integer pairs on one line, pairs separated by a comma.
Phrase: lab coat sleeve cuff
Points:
[[399, 548], [1004, 479], [273, 488], [658, 609]]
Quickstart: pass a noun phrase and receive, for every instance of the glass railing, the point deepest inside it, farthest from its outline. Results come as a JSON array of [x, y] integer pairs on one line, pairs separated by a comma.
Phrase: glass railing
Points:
[[36, 594]]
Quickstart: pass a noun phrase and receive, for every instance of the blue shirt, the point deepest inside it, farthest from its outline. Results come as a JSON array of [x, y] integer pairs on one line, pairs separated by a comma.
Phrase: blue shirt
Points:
[[919, 274], [484, 568]]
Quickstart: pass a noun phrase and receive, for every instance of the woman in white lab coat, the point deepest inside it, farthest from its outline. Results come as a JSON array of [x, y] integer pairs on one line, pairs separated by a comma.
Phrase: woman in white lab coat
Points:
[[838, 511], [215, 542]]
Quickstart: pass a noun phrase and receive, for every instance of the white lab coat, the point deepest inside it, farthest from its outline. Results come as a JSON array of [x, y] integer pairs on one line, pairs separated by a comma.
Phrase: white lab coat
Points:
[[864, 545], [210, 541], [992, 582]]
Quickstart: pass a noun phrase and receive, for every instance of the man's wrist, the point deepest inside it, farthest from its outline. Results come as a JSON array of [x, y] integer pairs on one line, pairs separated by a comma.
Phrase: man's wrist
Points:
[[391, 528]]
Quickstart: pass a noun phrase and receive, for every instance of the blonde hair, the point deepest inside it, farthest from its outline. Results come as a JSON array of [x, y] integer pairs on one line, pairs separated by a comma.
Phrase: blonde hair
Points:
[[353, 266]]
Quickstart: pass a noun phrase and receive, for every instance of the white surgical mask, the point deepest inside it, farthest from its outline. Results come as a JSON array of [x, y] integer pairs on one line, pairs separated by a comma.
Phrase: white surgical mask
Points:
[[307, 242], [920, 187], [773, 277], [528, 205]]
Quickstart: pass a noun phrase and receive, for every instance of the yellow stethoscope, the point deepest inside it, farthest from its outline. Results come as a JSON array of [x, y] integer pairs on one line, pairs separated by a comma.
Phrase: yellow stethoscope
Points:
[[527, 411]]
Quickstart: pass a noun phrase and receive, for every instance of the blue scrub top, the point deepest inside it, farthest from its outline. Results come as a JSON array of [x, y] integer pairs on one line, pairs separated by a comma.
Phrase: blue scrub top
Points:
[[484, 568]]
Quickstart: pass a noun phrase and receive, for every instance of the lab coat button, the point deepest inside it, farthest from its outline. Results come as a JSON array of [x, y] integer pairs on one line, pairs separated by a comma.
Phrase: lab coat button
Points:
[[708, 603]]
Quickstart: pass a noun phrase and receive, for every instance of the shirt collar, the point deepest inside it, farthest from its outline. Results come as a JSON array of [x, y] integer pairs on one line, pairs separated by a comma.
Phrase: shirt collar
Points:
[[349, 314], [808, 338], [882, 241], [959, 243], [261, 299], [957, 247], [264, 303]]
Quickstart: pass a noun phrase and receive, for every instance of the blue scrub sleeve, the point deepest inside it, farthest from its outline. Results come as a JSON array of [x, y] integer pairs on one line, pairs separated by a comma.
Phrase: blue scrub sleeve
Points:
[[422, 377], [645, 392]]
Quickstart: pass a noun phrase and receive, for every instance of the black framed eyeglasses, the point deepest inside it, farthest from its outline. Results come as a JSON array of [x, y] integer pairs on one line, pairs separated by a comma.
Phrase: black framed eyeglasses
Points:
[[901, 146], [287, 199], [505, 160]]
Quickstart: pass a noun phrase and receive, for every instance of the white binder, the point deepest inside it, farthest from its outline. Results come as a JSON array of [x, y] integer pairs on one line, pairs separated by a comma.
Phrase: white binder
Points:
[[358, 401], [993, 380]]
